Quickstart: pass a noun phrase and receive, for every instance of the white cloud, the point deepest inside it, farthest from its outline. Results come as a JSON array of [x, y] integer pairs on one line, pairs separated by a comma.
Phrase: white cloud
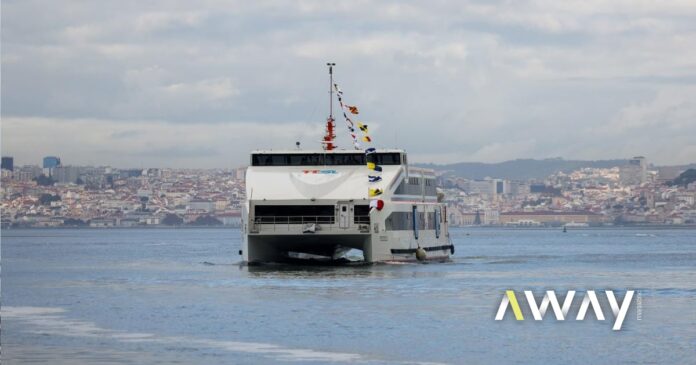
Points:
[[147, 143], [157, 21], [212, 89], [445, 80], [673, 108]]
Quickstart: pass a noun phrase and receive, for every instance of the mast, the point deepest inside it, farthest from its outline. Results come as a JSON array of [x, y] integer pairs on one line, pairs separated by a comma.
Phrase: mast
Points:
[[331, 65], [328, 141]]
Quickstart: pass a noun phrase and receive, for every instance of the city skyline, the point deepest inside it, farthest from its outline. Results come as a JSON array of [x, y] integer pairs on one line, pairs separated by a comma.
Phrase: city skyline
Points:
[[601, 195], [200, 85], [40, 162]]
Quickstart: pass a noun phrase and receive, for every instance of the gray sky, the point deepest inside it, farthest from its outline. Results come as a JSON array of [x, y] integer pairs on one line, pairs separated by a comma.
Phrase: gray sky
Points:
[[200, 83]]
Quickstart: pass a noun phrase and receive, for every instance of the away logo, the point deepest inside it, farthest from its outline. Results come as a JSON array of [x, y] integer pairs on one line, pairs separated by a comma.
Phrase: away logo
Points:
[[618, 309]]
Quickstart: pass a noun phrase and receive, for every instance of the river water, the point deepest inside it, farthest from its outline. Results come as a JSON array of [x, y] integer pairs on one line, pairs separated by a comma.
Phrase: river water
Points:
[[161, 296]]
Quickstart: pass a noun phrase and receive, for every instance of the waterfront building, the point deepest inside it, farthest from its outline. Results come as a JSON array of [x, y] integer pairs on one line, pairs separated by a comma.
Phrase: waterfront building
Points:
[[66, 174], [489, 188], [49, 164], [201, 205], [240, 173], [550, 217], [634, 172], [233, 219], [8, 163], [491, 216]]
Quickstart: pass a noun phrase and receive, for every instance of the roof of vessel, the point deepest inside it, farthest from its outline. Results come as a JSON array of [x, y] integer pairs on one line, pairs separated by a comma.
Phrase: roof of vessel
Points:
[[324, 151]]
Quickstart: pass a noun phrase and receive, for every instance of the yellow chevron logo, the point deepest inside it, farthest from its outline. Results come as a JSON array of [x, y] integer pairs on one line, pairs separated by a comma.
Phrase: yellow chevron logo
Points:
[[515, 306]]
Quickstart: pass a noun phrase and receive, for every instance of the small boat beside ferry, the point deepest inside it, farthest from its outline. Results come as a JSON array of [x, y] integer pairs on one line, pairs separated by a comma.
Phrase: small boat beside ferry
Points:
[[323, 203]]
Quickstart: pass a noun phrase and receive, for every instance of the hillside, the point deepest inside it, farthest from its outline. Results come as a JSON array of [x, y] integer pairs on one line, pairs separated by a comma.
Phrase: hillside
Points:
[[685, 178]]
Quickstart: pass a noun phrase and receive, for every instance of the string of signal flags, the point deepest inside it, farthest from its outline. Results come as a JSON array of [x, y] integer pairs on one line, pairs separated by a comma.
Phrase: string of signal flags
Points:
[[374, 176]]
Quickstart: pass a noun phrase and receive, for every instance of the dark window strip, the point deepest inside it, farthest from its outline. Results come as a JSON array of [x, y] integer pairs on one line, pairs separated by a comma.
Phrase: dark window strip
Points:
[[397, 251], [320, 159]]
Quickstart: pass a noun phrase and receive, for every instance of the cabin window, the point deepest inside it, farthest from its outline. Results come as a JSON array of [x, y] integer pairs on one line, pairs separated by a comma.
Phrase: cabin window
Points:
[[398, 221], [408, 187], [430, 221], [295, 214], [306, 160], [403, 221], [411, 186], [361, 214], [389, 159], [430, 189], [344, 159], [269, 160]]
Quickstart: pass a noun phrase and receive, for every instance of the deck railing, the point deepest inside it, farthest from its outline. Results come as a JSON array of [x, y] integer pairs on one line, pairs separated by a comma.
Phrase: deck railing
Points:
[[286, 223], [361, 219]]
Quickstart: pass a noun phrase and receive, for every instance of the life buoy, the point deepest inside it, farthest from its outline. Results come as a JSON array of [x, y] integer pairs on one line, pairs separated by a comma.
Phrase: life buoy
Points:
[[421, 254]]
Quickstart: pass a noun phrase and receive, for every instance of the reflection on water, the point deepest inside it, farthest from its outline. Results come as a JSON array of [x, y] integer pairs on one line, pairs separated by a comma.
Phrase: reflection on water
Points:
[[161, 296]]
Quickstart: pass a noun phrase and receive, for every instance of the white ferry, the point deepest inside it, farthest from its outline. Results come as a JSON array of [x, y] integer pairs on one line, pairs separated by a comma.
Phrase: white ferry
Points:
[[316, 204]]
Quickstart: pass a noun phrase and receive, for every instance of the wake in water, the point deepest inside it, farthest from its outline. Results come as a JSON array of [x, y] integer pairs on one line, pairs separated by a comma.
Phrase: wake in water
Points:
[[52, 321]]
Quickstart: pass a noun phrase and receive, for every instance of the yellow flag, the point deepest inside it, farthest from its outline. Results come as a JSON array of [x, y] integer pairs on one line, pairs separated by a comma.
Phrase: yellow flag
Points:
[[375, 192], [362, 127]]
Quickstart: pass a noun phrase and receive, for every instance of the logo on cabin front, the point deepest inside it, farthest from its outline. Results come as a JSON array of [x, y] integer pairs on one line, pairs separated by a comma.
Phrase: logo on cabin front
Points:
[[323, 172], [561, 311]]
